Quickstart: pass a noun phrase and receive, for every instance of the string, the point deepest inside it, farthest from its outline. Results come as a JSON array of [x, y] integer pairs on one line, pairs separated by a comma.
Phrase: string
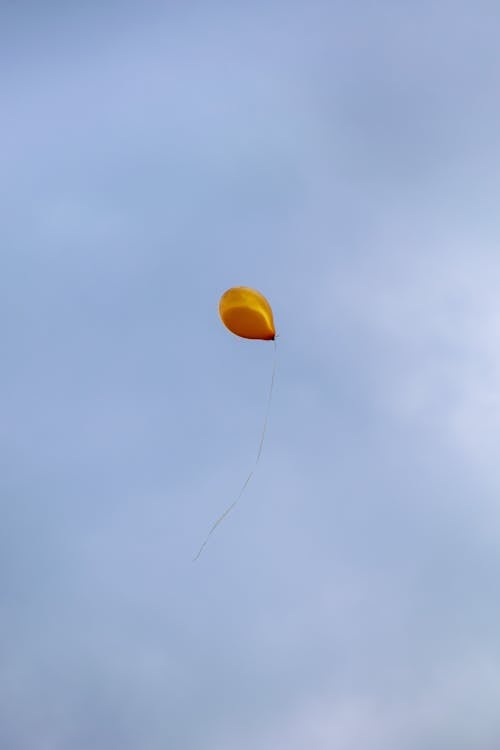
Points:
[[247, 480]]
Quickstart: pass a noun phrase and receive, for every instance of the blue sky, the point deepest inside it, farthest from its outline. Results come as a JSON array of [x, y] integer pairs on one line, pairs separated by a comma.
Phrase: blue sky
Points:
[[343, 158]]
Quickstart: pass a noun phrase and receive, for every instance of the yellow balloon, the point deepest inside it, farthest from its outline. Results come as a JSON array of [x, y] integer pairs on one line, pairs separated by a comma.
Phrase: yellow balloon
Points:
[[247, 313]]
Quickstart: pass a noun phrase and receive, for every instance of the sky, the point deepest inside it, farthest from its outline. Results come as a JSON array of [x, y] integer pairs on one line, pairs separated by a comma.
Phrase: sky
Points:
[[344, 159]]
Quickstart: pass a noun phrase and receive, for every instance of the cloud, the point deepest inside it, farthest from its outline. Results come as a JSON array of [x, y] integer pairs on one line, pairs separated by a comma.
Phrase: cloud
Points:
[[347, 164], [456, 709], [434, 314]]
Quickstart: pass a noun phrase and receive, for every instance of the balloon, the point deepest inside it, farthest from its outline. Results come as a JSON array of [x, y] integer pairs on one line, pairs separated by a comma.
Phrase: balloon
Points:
[[247, 313]]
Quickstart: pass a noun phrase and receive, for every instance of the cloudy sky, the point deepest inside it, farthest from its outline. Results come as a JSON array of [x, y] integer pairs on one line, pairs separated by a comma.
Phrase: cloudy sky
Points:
[[343, 158]]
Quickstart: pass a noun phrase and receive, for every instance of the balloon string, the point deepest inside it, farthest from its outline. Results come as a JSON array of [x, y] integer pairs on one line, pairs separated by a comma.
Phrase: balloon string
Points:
[[247, 480]]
